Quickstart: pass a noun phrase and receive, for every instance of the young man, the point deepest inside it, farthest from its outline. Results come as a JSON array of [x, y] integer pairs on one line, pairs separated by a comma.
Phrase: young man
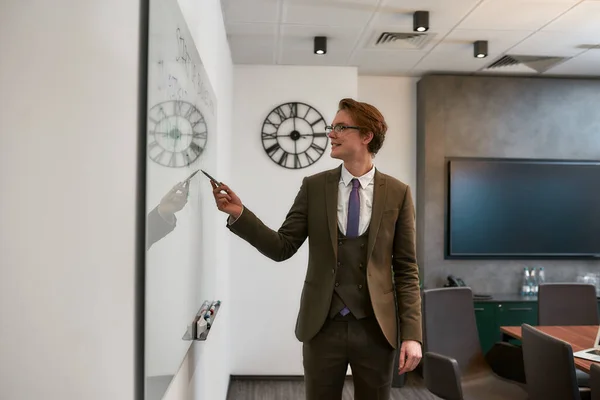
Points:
[[361, 294]]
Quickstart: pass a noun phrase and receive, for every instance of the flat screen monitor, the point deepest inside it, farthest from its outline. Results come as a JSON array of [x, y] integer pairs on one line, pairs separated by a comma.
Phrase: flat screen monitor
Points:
[[509, 208]]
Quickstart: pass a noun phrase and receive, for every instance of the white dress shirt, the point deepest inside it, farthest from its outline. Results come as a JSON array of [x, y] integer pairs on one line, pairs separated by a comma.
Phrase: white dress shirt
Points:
[[365, 192]]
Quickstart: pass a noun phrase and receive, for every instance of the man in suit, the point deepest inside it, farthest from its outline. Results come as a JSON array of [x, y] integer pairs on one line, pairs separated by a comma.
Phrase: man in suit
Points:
[[361, 295]]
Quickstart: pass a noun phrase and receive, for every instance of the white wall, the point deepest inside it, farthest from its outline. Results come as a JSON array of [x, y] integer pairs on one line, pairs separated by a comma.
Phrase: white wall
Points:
[[265, 295], [204, 374], [68, 131], [396, 98]]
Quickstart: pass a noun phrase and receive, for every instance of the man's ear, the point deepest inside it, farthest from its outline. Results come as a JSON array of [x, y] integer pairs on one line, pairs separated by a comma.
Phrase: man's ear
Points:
[[367, 137]]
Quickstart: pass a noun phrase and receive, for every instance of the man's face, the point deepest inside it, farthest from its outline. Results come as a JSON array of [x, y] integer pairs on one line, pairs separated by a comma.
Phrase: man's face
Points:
[[347, 144]]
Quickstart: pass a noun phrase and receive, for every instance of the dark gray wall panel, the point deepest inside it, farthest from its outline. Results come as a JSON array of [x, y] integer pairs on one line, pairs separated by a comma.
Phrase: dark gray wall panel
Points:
[[513, 117]]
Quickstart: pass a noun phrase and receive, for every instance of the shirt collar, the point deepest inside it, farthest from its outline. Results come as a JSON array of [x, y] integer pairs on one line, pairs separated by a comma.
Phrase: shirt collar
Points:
[[365, 180]]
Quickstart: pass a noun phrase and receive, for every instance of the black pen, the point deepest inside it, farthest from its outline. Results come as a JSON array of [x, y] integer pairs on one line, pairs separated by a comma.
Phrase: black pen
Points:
[[211, 178]]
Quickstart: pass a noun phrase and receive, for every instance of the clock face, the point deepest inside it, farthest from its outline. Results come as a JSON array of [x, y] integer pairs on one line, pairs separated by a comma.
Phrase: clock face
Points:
[[293, 135], [177, 133]]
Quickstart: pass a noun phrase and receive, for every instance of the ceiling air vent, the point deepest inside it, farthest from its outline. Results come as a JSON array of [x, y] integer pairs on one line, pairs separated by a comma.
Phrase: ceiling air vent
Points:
[[505, 61], [527, 64], [399, 40]]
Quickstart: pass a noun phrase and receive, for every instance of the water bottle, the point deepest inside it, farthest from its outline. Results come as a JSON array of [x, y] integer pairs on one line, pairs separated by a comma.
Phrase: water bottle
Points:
[[533, 283], [526, 288], [541, 276]]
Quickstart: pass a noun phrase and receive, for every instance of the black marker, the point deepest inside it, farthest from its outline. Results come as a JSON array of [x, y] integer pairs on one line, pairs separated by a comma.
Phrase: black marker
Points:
[[211, 178]]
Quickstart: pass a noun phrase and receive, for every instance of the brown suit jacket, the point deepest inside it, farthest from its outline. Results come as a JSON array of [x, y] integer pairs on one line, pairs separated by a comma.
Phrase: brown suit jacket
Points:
[[392, 271]]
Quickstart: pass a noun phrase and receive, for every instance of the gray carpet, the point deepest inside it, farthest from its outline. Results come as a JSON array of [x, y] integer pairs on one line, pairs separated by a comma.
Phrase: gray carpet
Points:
[[293, 389]]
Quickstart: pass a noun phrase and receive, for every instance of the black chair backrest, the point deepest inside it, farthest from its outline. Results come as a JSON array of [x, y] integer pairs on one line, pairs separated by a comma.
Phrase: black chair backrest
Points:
[[549, 366], [450, 328], [567, 304], [595, 381]]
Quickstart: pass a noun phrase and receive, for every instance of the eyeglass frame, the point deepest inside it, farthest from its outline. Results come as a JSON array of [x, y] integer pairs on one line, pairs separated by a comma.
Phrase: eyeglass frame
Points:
[[340, 128]]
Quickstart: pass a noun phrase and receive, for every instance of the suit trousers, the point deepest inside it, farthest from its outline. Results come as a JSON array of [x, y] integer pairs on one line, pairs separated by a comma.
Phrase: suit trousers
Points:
[[343, 341]]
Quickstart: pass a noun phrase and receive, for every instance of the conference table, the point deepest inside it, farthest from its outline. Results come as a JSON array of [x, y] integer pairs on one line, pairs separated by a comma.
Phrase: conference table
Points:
[[579, 337]]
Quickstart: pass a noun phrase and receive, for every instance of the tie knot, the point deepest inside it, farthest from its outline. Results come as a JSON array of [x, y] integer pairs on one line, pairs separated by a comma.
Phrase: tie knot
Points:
[[355, 183]]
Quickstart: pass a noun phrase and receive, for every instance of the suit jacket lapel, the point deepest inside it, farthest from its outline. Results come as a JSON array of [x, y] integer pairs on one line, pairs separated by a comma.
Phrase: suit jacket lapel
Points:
[[331, 200], [379, 195]]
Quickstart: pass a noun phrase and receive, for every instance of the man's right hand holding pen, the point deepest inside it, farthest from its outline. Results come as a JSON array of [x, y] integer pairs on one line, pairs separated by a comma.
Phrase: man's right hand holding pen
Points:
[[227, 201]]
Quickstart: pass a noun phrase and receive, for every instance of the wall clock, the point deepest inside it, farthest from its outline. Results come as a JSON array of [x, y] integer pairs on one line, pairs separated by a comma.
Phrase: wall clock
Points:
[[177, 133], [293, 135]]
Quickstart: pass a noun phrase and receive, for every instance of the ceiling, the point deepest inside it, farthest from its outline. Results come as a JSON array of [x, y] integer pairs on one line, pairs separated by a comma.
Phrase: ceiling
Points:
[[544, 37]]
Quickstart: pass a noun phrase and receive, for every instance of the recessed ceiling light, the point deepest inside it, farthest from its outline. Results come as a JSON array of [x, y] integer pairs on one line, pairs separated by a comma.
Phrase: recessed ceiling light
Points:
[[320, 45], [421, 21], [480, 48]]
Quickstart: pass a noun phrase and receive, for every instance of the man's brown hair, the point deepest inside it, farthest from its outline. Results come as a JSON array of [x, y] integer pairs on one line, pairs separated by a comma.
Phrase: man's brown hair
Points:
[[369, 119]]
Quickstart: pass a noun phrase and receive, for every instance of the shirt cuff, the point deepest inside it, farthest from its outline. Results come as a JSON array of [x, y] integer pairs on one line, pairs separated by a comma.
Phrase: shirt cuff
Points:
[[231, 220]]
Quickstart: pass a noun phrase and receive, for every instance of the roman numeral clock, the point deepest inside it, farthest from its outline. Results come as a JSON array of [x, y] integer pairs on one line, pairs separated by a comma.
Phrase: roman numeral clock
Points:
[[293, 135], [177, 133]]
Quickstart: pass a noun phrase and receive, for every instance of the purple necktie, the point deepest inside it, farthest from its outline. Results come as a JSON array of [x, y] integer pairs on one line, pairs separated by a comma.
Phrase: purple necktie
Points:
[[353, 217], [353, 210]]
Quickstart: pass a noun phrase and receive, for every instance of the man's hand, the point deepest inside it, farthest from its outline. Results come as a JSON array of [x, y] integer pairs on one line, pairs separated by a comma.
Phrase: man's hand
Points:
[[227, 202], [410, 355]]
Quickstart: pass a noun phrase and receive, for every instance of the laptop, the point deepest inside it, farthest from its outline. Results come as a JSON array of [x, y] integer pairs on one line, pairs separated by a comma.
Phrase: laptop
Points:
[[592, 354]]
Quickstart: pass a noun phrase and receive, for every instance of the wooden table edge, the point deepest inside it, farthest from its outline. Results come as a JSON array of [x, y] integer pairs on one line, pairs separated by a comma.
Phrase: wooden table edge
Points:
[[516, 333]]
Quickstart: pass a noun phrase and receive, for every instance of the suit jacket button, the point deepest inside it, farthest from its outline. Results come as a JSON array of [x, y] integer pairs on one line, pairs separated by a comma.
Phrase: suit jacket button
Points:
[[360, 286], [339, 264], [333, 271], [340, 243], [337, 284]]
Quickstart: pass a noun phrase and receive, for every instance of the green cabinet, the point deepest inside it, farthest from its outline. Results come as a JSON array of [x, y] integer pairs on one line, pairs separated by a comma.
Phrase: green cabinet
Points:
[[515, 314], [490, 315], [486, 324]]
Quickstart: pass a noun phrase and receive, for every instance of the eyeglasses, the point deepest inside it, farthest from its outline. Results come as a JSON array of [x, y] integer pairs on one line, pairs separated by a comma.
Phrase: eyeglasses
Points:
[[339, 128]]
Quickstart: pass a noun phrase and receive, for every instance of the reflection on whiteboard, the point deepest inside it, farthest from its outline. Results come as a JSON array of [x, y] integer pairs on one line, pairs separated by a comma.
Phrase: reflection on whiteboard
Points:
[[181, 127], [162, 220]]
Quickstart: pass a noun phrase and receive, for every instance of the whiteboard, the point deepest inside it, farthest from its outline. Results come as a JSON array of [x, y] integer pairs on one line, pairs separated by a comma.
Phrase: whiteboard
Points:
[[181, 121]]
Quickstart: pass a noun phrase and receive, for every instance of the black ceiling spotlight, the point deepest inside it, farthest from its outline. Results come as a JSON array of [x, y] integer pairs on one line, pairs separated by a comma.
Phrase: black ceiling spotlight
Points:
[[421, 21], [480, 48], [320, 45]]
